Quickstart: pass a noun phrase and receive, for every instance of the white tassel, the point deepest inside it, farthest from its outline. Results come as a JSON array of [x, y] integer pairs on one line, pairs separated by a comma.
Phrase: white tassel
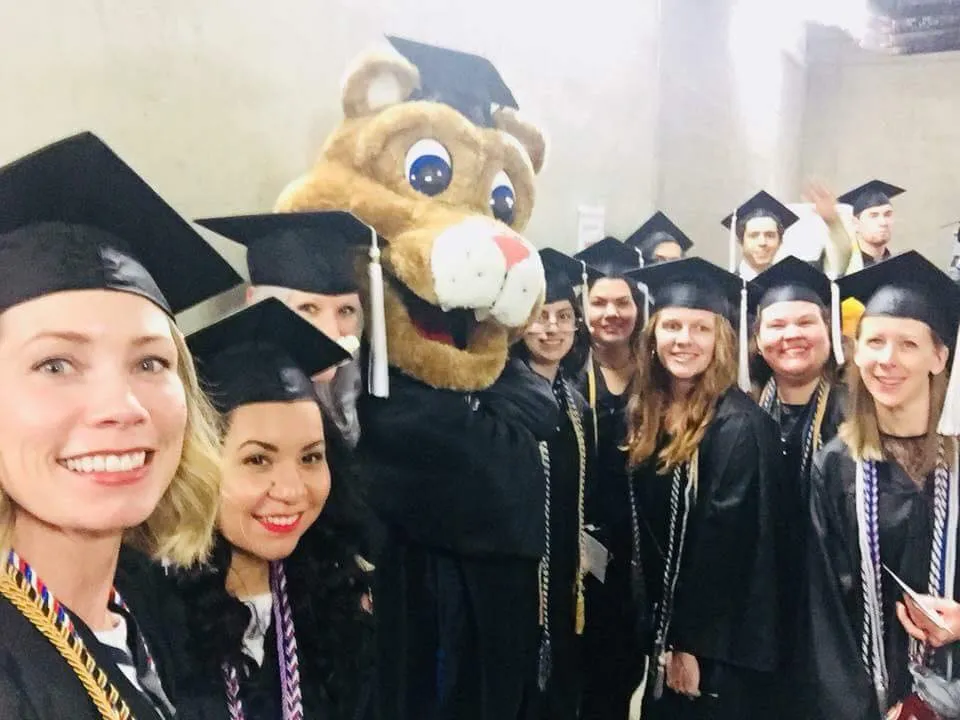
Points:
[[950, 415], [743, 369], [647, 301], [584, 292], [836, 325], [379, 379], [732, 259]]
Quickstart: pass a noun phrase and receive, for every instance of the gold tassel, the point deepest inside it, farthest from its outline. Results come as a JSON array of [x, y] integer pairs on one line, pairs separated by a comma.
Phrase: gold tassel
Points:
[[581, 607]]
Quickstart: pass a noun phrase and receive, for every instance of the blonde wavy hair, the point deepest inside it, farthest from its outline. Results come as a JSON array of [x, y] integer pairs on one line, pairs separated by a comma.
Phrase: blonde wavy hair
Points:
[[650, 399], [861, 430], [180, 529]]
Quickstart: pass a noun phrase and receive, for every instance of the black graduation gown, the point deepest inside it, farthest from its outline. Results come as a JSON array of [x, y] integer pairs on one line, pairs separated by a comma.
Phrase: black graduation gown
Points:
[[613, 658], [843, 687], [561, 700], [37, 684], [458, 482], [793, 692], [726, 609]]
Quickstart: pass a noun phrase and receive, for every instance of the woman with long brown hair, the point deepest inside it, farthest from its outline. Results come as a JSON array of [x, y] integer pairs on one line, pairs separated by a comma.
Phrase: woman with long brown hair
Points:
[[885, 498], [703, 460]]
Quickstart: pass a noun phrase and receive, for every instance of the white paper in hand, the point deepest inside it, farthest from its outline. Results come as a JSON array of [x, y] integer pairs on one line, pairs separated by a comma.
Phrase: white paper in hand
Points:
[[595, 557]]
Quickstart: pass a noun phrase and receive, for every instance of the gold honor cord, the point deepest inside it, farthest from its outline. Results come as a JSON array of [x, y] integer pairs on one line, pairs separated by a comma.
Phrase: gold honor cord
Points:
[[17, 589]]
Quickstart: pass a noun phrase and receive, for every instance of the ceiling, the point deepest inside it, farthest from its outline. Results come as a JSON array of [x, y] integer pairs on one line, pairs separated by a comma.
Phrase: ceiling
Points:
[[910, 27]]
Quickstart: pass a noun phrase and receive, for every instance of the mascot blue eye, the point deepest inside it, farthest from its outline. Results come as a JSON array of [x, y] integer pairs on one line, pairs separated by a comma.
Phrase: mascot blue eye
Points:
[[503, 199], [428, 167]]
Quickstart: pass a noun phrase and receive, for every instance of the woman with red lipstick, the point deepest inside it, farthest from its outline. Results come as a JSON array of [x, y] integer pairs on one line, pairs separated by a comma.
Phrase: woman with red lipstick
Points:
[[885, 497], [108, 449], [703, 461], [276, 628], [555, 346]]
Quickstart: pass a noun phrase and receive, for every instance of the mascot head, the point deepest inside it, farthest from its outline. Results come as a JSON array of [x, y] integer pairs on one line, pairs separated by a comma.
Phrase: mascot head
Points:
[[432, 154]]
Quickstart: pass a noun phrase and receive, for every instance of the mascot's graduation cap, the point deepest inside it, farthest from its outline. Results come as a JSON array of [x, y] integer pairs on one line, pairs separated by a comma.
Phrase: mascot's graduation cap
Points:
[[910, 286], [311, 252], [263, 353], [871, 194], [646, 237], [74, 216], [470, 84]]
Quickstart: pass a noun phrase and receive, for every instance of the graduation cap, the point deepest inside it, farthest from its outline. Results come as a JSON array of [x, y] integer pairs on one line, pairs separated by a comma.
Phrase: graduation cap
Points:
[[763, 204], [566, 276], [658, 229], [792, 280], [263, 353], [74, 216], [310, 251], [699, 285], [314, 252], [910, 286], [871, 194], [610, 258], [470, 84]]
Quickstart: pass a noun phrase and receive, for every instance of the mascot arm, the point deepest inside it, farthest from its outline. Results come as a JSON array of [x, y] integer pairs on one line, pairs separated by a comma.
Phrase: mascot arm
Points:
[[459, 471]]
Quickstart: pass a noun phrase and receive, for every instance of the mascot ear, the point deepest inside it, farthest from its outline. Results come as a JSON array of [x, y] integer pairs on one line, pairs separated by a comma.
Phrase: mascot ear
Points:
[[528, 134], [378, 80]]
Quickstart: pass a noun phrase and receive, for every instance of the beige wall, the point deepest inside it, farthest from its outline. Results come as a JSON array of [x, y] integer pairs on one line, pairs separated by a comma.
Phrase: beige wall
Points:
[[896, 118], [719, 140], [220, 103]]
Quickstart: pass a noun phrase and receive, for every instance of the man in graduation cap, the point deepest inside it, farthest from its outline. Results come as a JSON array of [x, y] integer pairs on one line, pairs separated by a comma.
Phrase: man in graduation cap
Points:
[[306, 260], [758, 227], [873, 218], [659, 240]]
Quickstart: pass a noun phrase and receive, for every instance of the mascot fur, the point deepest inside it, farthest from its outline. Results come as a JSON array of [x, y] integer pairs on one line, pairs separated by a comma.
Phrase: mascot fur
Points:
[[433, 156]]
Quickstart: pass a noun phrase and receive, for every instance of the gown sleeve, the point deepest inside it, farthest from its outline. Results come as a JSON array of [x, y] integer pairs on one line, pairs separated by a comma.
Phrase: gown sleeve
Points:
[[460, 471], [726, 604], [841, 687]]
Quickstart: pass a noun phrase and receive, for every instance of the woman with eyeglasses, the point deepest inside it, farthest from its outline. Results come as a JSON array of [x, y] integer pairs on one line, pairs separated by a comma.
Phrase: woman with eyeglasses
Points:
[[555, 347], [108, 448]]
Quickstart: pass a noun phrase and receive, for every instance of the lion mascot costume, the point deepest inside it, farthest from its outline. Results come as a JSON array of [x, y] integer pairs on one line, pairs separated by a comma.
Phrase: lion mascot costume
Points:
[[433, 156]]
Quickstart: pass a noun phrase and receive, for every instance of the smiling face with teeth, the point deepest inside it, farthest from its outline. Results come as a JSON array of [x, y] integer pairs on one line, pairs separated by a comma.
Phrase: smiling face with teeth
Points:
[[275, 479], [94, 427]]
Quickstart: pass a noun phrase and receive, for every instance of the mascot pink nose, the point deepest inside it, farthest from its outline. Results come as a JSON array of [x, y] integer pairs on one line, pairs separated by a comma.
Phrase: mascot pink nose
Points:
[[514, 250]]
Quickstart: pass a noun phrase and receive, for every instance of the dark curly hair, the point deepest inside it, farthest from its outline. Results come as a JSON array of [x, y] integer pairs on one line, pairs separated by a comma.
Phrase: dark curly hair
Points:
[[753, 215], [573, 362], [325, 585]]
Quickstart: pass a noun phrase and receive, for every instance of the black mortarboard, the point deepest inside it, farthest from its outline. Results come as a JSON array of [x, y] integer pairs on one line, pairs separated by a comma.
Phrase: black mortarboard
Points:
[[74, 216], [610, 258], [658, 229], [700, 285], [691, 283], [907, 286], [311, 252], [470, 84], [263, 353], [790, 279], [564, 274], [763, 203], [870, 194]]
